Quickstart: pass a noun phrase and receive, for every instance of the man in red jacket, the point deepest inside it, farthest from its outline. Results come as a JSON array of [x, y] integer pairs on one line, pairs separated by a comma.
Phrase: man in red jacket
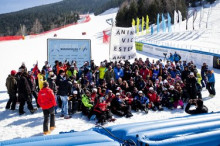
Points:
[[47, 102]]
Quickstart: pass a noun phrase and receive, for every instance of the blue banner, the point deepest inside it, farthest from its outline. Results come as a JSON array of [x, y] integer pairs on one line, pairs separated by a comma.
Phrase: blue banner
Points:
[[164, 23], [169, 22], [158, 23], [70, 50]]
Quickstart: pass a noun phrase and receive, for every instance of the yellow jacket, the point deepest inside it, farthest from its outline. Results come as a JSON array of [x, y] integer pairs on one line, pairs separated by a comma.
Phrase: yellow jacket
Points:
[[199, 78], [41, 80], [102, 71]]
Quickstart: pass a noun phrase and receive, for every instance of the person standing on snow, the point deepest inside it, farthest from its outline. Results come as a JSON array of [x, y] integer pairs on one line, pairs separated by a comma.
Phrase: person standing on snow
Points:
[[24, 92], [11, 85], [211, 83], [47, 102]]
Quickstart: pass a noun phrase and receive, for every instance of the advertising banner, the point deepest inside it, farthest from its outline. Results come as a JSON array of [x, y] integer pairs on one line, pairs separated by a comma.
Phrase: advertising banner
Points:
[[122, 45], [68, 50]]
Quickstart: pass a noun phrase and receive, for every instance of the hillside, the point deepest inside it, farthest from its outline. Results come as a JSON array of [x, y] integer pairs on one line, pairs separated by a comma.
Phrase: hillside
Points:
[[51, 16]]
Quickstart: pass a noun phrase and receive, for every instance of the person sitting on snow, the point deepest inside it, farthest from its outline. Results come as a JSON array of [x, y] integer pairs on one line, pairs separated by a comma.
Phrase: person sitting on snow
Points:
[[102, 112], [154, 99], [141, 102], [119, 107]]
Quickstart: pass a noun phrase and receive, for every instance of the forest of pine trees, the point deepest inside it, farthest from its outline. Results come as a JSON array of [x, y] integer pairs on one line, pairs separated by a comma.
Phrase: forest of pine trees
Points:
[[132, 9], [43, 18]]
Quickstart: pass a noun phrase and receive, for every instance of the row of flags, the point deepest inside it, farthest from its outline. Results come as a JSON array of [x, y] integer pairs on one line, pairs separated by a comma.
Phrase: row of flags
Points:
[[166, 24]]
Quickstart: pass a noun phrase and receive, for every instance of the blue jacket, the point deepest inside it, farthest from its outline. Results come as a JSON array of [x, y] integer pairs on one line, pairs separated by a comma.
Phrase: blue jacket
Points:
[[155, 74], [177, 57], [119, 73], [171, 58], [211, 78], [143, 99]]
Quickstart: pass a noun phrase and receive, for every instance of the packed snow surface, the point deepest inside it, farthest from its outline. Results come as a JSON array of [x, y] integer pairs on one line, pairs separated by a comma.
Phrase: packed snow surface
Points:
[[33, 49]]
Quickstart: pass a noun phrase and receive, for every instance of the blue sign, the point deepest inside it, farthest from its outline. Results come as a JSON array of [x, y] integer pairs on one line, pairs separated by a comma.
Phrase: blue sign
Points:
[[70, 50]]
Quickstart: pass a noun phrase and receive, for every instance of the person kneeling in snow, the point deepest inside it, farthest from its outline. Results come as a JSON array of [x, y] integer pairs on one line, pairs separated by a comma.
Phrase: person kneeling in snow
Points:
[[47, 102], [141, 102], [200, 108]]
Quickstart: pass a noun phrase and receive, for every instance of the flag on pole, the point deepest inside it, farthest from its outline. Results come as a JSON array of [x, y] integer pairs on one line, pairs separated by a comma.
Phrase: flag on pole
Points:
[[147, 24], [152, 30], [133, 23], [169, 22], [175, 19], [142, 26], [164, 23], [180, 19], [138, 24], [158, 23]]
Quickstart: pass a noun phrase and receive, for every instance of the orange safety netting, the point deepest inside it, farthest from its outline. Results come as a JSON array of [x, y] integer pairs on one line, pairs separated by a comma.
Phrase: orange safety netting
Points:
[[9, 38]]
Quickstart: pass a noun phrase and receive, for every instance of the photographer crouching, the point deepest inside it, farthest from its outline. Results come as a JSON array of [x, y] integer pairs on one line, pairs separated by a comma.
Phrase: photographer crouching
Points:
[[200, 108]]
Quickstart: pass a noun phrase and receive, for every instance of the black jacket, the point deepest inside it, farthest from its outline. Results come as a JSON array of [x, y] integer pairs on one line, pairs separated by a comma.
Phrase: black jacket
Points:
[[204, 109], [23, 86], [64, 87]]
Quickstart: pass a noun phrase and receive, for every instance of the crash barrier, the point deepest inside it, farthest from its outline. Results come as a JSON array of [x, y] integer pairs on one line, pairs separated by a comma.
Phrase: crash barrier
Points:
[[198, 57], [86, 18], [200, 130]]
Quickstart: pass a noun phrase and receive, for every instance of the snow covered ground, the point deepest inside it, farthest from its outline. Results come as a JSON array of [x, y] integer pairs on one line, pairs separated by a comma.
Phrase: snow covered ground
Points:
[[30, 50], [202, 38]]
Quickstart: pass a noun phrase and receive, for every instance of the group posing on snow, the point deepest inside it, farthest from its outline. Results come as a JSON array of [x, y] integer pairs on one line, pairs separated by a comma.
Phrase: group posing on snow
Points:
[[111, 88]]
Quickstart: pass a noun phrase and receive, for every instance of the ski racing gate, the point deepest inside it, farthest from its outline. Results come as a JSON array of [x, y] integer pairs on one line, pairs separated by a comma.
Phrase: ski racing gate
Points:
[[199, 130]]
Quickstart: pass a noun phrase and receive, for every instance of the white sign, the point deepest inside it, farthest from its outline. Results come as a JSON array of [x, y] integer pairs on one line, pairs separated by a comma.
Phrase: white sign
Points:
[[122, 46], [70, 50]]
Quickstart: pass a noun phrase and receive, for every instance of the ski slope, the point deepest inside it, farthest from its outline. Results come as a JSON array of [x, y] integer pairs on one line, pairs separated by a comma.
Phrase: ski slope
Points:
[[30, 50], [201, 38]]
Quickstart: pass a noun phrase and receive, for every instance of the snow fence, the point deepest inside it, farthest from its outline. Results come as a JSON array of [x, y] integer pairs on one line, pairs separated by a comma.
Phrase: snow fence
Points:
[[198, 57], [199, 130]]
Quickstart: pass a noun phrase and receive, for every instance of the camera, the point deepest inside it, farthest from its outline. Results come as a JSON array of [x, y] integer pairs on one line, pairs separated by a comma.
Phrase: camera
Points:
[[165, 54]]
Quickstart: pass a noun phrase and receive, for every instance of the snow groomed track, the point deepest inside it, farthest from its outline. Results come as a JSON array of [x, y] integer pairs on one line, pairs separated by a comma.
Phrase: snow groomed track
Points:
[[189, 130]]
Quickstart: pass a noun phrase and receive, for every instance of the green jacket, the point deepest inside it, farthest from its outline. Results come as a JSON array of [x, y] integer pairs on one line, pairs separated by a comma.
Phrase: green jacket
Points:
[[11, 84], [85, 101]]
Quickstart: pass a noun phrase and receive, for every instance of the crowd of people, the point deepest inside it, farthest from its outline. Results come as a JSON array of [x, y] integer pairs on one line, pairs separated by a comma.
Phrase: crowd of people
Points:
[[111, 88]]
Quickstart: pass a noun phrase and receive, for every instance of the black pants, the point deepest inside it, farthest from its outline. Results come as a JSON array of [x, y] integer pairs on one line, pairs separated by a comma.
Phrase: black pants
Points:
[[49, 112], [122, 110], [137, 105], [34, 93], [102, 116], [211, 88], [12, 101], [25, 98]]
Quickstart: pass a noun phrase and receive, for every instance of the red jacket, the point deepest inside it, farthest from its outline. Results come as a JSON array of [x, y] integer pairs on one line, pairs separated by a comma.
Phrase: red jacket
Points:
[[153, 97], [46, 98], [144, 73]]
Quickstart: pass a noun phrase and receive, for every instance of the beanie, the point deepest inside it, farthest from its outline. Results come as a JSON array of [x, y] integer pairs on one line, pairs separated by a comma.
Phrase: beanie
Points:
[[13, 72]]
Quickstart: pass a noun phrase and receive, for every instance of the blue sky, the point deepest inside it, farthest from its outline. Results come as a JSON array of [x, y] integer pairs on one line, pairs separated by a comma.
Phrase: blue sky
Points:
[[7, 6]]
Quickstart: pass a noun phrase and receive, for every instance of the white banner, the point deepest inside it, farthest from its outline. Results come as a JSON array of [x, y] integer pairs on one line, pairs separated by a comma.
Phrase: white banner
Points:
[[188, 56], [122, 46]]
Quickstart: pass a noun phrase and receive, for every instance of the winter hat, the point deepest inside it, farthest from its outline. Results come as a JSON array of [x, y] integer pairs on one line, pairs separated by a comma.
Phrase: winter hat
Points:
[[13, 72], [164, 89], [171, 87], [151, 88], [75, 92], [140, 92], [165, 81], [191, 74], [94, 89], [117, 94], [118, 88]]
